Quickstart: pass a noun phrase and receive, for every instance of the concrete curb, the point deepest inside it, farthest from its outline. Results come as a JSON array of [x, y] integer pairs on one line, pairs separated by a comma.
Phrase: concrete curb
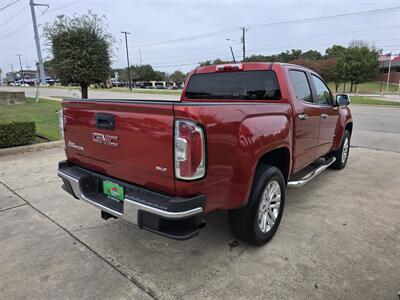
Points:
[[30, 148]]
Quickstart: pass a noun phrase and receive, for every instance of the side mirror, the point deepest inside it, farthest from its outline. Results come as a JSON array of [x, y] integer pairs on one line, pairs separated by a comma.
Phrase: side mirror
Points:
[[342, 100]]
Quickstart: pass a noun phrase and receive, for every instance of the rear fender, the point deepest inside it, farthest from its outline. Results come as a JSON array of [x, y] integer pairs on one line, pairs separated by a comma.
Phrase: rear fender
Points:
[[258, 137], [345, 119]]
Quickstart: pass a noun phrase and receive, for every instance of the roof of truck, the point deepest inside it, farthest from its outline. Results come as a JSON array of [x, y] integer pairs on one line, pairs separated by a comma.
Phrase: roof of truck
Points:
[[246, 66]]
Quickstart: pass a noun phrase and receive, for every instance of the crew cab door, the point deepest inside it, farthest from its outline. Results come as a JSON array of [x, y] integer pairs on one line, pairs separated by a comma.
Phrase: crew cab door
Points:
[[306, 120], [329, 115]]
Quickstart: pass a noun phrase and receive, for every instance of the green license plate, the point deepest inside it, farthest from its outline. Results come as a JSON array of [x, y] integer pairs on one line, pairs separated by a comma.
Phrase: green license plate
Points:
[[113, 190]]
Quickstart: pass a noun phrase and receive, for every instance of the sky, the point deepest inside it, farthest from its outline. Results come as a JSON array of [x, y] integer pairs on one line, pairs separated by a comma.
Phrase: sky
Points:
[[163, 31]]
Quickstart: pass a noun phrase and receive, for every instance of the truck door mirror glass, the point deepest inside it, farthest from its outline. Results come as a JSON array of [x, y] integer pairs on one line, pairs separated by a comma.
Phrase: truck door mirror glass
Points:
[[342, 100]]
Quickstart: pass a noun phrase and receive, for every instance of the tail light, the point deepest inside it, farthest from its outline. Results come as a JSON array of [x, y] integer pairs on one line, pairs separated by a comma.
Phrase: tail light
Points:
[[61, 123], [190, 160], [229, 67]]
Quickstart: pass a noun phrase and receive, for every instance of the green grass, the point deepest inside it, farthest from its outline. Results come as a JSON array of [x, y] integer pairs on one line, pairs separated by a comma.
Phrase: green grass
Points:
[[44, 114], [371, 101], [367, 87]]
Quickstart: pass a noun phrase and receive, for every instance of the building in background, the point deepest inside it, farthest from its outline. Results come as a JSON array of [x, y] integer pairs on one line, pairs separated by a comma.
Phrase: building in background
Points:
[[392, 61], [16, 76]]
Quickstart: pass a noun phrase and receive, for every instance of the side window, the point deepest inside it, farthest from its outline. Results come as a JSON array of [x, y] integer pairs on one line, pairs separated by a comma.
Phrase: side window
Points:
[[301, 85], [324, 96]]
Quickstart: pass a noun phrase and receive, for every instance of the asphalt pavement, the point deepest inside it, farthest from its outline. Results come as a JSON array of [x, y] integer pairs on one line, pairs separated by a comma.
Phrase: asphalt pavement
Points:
[[376, 127]]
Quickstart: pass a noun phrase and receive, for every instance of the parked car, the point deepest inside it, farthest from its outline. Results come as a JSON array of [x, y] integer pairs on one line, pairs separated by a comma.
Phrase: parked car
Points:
[[240, 134]]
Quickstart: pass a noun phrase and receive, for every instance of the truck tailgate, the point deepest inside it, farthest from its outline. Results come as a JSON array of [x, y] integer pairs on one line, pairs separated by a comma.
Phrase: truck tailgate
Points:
[[137, 148]]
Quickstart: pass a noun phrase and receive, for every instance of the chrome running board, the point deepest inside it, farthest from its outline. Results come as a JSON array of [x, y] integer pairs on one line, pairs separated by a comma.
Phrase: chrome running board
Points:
[[310, 176]]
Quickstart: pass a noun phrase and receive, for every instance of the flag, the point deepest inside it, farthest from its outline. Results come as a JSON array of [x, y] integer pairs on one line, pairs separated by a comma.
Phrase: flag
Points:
[[385, 57]]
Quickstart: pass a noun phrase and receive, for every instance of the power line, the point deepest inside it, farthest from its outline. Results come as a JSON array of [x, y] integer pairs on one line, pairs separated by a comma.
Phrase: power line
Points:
[[14, 15], [339, 16], [63, 6], [30, 21], [295, 21], [8, 5], [277, 39], [15, 30]]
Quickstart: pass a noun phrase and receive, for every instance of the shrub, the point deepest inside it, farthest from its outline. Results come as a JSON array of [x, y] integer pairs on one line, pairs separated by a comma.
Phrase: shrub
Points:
[[17, 133]]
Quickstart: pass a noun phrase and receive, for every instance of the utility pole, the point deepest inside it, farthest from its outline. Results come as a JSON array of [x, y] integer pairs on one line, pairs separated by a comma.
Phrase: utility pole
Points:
[[22, 71], [244, 29], [35, 30], [127, 57], [140, 57]]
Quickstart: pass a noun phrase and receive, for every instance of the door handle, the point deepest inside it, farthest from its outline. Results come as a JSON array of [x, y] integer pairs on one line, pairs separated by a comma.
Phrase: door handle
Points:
[[303, 116], [324, 116]]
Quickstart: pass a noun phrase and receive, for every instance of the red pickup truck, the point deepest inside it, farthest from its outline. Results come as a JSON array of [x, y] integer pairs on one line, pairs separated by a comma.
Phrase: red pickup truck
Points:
[[240, 134]]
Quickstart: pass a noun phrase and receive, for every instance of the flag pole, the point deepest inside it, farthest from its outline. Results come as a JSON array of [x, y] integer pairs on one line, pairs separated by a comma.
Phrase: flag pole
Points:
[[388, 76]]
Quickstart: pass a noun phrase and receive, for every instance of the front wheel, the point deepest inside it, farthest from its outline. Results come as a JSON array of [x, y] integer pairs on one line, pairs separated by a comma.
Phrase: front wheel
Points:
[[342, 154], [259, 220]]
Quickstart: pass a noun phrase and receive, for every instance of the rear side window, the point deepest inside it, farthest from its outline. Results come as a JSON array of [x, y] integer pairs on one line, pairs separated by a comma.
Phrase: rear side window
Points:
[[247, 85], [301, 85]]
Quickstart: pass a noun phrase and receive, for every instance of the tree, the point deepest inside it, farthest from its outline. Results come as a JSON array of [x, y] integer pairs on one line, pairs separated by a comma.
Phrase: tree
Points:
[[177, 77], [358, 63], [49, 68], [160, 76], [323, 67], [80, 47], [362, 63], [311, 55], [214, 62], [338, 71], [146, 73]]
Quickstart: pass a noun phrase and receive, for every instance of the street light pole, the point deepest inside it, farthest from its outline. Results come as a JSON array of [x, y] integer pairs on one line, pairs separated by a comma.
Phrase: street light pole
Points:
[[127, 58], [233, 55], [35, 30]]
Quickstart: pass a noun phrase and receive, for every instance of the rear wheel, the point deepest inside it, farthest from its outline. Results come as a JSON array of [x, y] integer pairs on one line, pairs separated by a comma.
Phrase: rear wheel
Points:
[[342, 154], [259, 220]]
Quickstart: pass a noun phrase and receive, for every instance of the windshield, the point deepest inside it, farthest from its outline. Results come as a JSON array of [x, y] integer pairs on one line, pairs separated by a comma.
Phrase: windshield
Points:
[[247, 85]]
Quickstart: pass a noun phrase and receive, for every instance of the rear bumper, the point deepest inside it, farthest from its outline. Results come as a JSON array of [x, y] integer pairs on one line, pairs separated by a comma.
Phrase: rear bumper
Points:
[[174, 217]]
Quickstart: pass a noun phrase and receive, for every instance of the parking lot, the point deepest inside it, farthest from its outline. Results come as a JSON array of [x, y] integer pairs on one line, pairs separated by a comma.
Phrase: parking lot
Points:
[[339, 237]]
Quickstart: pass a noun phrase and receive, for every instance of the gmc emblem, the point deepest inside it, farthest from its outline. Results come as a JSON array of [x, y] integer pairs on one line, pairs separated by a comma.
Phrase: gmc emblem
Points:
[[105, 139]]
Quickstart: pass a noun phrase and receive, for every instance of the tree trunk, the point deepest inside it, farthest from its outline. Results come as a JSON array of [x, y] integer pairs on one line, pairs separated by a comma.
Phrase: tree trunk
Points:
[[84, 90], [336, 86], [351, 86]]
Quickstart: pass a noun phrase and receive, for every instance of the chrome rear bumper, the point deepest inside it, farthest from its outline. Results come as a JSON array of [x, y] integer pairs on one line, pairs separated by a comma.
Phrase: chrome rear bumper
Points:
[[147, 209]]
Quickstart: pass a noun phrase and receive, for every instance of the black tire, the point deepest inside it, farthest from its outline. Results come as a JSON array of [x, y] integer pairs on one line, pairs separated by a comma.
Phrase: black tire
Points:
[[340, 163], [244, 222]]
